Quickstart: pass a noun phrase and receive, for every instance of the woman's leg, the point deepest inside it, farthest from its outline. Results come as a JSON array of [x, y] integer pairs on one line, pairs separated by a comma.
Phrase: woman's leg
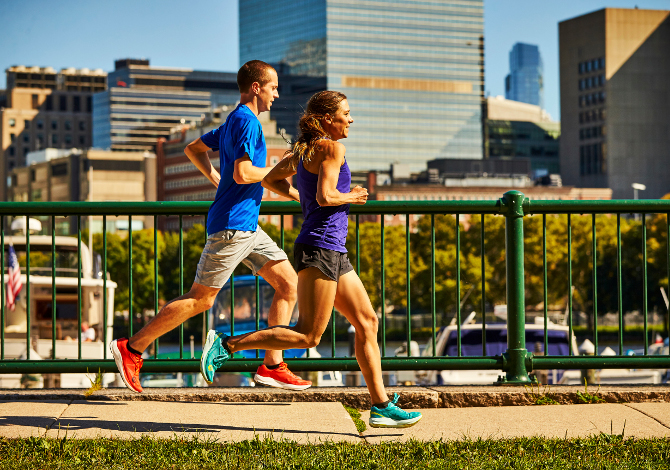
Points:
[[316, 294], [353, 302]]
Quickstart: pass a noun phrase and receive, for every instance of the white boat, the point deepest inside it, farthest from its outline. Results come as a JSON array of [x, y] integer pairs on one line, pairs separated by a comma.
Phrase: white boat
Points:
[[68, 335]]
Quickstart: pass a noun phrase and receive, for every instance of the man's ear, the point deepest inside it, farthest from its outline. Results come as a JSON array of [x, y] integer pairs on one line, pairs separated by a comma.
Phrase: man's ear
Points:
[[255, 88]]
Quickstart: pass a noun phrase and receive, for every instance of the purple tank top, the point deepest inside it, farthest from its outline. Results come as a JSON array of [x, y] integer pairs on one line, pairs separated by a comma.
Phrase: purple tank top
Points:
[[323, 227]]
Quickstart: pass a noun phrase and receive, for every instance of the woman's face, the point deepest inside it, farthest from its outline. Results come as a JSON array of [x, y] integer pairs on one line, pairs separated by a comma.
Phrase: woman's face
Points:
[[337, 126]]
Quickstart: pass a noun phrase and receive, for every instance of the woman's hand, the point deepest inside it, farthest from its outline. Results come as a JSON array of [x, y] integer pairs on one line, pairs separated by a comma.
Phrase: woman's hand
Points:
[[359, 195]]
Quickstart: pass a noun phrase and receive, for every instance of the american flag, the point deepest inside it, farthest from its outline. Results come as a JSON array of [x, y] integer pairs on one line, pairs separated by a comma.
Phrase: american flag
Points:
[[14, 284]]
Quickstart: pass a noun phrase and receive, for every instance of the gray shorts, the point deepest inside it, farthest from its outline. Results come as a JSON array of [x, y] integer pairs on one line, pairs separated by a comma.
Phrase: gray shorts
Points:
[[226, 249]]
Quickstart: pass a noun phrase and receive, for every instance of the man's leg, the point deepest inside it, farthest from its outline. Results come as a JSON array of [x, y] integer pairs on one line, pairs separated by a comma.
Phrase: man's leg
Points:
[[283, 278], [173, 314]]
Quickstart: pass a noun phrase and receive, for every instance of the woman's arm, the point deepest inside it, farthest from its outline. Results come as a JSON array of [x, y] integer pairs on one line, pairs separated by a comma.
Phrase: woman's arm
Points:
[[329, 172], [276, 180]]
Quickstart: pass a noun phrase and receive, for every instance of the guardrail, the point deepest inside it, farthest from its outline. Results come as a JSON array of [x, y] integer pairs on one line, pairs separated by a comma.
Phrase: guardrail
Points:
[[516, 362]]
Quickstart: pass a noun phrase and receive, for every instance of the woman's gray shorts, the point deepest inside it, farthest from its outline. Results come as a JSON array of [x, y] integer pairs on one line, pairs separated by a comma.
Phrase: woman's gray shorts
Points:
[[226, 249]]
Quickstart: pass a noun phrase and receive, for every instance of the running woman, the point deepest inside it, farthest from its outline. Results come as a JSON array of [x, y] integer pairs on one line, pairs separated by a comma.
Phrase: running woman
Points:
[[325, 275], [233, 232]]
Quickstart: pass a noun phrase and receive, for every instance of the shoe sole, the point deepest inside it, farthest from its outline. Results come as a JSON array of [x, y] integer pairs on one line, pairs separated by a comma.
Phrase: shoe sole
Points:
[[389, 423], [211, 337], [270, 382], [119, 364]]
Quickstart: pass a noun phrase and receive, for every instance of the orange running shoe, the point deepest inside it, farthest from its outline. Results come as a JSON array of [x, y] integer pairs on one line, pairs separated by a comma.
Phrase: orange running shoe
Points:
[[280, 377], [128, 363]]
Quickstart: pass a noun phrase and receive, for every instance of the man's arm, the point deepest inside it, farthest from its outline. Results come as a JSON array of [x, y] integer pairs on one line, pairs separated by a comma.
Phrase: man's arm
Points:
[[277, 180], [246, 173], [196, 151]]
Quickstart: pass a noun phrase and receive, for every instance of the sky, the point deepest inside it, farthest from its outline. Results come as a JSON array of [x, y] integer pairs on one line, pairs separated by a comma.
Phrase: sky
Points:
[[203, 34]]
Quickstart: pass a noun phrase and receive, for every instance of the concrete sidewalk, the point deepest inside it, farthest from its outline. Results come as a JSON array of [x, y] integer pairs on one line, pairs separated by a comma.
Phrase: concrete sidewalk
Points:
[[36, 415]]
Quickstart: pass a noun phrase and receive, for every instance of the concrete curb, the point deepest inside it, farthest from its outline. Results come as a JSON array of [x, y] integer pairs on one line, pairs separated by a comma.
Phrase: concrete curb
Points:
[[358, 397]]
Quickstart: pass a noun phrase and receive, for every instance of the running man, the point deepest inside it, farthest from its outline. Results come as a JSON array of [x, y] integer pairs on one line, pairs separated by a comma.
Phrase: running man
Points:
[[233, 232], [325, 275]]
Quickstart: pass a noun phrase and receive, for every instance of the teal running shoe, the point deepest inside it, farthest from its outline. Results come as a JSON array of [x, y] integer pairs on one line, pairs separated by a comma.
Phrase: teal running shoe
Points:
[[214, 355], [393, 416]]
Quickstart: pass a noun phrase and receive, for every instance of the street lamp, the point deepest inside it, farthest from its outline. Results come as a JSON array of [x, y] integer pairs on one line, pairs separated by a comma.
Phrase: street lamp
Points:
[[637, 187]]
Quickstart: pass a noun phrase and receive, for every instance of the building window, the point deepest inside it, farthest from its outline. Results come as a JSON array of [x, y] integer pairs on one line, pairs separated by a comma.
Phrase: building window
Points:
[[581, 134], [581, 85], [601, 63], [54, 125], [581, 117], [35, 101], [82, 126], [68, 125], [39, 141], [581, 67], [82, 140], [76, 104], [588, 100], [49, 103], [54, 139], [601, 97], [68, 139], [26, 138], [26, 124], [89, 105], [40, 124], [11, 151], [12, 137], [62, 103], [12, 122], [59, 169], [588, 66]]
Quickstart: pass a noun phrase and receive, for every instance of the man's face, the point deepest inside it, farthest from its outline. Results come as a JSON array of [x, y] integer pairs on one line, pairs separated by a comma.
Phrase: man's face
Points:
[[268, 92]]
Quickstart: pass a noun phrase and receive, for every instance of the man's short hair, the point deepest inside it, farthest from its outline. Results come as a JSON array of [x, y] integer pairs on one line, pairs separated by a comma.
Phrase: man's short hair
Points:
[[253, 71]]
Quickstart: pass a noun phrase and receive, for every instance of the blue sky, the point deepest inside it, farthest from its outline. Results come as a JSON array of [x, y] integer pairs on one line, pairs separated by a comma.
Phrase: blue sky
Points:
[[203, 34]]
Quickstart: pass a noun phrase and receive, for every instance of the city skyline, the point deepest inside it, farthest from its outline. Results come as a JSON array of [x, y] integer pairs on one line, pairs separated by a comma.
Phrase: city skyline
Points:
[[187, 40]]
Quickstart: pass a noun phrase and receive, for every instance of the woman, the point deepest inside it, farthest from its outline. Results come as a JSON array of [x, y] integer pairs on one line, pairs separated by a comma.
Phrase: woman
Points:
[[325, 275]]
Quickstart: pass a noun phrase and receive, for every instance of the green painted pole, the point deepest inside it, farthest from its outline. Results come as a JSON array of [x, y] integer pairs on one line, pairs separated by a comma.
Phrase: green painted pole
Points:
[[516, 356]]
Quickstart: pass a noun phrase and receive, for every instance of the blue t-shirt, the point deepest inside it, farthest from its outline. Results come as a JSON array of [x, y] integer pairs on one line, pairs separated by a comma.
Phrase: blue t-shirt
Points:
[[236, 206]]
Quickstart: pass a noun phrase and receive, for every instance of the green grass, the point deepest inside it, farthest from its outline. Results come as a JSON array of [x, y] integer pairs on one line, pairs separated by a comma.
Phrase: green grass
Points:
[[601, 452], [587, 397], [356, 418]]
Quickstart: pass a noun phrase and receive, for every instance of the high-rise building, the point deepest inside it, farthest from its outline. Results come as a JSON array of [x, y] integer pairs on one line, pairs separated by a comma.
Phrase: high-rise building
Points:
[[525, 80], [413, 71], [615, 101], [144, 102], [45, 108], [522, 130]]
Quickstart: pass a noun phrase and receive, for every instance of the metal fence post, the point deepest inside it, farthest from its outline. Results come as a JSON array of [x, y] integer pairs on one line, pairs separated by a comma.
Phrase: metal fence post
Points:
[[516, 360]]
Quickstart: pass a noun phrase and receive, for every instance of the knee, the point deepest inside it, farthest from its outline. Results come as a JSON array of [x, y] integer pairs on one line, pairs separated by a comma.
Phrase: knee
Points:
[[369, 324], [288, 287], [312, 341]]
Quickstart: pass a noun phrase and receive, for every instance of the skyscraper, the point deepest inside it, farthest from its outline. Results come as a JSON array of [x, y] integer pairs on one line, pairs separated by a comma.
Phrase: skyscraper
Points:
[[413, 71], [525, 80], [615, 100]]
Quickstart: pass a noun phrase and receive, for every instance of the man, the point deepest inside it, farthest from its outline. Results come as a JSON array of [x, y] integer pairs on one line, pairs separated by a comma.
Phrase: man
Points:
[[87, 333], [233, 232]]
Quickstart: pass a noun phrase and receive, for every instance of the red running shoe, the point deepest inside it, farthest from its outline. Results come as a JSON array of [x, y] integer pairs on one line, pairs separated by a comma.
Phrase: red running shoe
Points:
[[129, 364], [280, 377]]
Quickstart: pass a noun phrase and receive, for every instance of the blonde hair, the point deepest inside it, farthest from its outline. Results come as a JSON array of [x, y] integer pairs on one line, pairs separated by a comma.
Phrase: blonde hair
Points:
[[319, 106]]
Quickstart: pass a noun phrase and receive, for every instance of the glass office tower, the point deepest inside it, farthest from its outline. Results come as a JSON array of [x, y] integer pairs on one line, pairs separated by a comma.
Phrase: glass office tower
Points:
[[413, 70], [524, 82]]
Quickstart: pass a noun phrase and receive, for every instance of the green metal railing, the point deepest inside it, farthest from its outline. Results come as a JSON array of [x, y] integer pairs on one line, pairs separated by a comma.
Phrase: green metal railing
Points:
[[516, 362]]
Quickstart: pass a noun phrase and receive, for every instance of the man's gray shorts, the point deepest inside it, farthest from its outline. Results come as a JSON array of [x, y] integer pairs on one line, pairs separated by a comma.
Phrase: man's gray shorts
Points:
[[226, 249]]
